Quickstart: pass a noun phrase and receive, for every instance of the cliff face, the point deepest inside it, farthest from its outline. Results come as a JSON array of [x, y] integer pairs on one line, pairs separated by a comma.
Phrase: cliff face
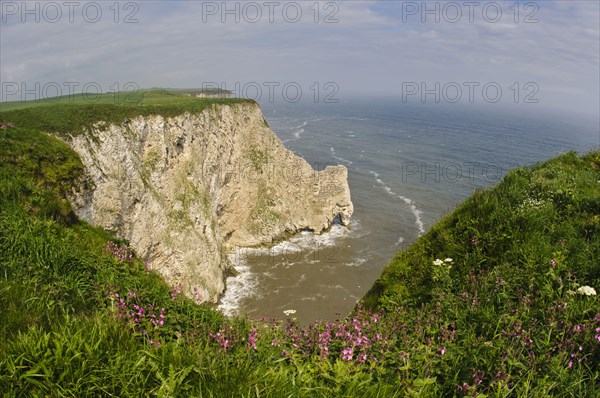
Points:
[[186, 189]]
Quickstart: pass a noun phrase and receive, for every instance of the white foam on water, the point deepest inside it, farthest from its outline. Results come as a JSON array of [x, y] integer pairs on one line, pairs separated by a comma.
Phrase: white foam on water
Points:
[[411, 203], [333, 155], [296, 135], [357, 262], [245, 284], [238, 288], [296, 131], [314, 297], [352, 118], [305, 241]]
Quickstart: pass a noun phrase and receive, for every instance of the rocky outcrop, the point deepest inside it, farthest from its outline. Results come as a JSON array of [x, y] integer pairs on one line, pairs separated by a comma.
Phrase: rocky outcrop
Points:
[[184, 190]]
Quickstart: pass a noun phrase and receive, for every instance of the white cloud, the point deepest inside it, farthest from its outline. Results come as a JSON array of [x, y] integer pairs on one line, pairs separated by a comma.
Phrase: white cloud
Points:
[[372, 48]]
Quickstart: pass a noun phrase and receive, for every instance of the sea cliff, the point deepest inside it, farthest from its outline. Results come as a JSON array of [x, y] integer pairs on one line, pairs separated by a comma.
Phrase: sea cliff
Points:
[[185, 190]]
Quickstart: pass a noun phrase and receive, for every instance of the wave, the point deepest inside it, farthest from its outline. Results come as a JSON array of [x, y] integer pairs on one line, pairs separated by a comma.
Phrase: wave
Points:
[[411, 203], [292, 126], [358, 262], [333, 155], [239, 287], [304, 241], [296, 135]]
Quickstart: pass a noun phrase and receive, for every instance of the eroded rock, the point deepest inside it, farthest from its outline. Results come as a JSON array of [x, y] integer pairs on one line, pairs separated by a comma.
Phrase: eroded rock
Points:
[[186, 189]]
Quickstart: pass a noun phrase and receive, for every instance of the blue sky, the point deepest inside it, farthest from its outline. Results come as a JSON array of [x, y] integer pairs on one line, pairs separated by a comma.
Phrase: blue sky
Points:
[[374, 48]]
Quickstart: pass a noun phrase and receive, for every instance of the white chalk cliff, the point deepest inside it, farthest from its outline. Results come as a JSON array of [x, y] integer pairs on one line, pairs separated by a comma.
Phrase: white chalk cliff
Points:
[[184, 190]]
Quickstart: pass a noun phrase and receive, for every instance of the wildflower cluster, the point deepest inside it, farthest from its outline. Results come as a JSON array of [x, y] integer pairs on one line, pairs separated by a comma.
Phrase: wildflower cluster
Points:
[[176, 290], [470, 389], [519, 334], [532, 204], [120, 252], [197, 294], [441, 272], [228, 337], [586, 290], [221, 339], [360, 339], [579, 342], [143, 320], [252, 338]]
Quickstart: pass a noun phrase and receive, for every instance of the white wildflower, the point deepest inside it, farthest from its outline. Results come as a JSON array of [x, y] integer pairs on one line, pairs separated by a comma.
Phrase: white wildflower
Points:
[[289, 312], [438, 262], [532, 203], [448, 260], [587, 290]]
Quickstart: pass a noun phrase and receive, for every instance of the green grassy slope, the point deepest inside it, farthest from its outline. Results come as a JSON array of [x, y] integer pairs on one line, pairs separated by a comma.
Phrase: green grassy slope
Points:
[[509, 236], [155, 96], [81, 316], [72, 114]]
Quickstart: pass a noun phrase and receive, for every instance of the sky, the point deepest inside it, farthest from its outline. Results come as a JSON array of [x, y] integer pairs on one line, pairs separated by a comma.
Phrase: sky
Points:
[[537, 54]]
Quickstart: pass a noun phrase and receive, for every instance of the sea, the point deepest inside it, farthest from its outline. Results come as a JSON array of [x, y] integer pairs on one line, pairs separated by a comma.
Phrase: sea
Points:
[[408, 166]]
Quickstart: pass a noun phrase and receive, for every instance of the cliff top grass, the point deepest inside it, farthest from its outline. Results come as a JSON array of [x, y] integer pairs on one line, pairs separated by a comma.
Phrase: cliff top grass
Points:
[[496, 300], [73, 114]]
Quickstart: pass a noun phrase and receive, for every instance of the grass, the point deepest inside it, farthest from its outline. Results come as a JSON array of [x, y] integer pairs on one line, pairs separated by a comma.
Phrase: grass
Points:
[[80, 315], [73, 115]]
